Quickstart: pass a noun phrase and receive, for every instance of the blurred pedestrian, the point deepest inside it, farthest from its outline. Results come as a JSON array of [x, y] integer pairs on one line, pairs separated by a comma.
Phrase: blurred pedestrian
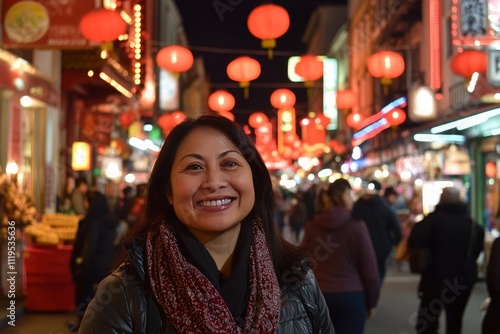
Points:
[[93, 251], [382, 222], [346, 266], [79, 196], [453, 241], [121, 212], [297, 214], [137, 206]]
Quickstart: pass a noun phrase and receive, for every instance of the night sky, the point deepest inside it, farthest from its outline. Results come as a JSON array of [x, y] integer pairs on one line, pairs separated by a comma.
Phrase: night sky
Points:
[[219, 36]]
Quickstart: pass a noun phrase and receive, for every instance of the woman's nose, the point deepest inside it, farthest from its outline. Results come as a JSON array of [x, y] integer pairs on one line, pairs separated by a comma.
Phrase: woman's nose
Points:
[[214, 179]]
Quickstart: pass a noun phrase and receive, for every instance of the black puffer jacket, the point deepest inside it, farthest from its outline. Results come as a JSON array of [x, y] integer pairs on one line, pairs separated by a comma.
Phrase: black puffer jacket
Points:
[[123, 304]]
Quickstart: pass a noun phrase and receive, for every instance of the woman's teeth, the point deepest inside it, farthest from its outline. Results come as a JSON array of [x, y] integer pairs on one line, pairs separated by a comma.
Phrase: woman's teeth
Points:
[[216, 203]]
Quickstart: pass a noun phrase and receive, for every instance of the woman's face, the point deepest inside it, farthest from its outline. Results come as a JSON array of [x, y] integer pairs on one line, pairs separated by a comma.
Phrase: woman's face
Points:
[[212, 184]]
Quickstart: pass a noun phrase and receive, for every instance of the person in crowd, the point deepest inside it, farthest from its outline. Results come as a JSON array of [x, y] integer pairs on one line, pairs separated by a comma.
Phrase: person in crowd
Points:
[[207, 257], [322, 200], [79, 196], [347, 272], [297, 215], [93, 252], [454, 241], [121, 212], [391, 196], [137, 205], [491, 321], [281, 205], [382, 222]]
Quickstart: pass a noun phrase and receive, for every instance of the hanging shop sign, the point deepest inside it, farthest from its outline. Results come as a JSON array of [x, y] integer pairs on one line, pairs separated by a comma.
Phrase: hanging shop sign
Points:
[[44, 24], [81, 154]]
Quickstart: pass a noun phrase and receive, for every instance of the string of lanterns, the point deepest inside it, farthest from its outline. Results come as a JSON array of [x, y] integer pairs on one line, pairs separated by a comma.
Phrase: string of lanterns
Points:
[[267, 22]]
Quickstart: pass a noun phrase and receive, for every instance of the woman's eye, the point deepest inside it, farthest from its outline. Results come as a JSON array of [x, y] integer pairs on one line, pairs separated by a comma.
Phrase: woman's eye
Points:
[[231, 164], [193, 167]]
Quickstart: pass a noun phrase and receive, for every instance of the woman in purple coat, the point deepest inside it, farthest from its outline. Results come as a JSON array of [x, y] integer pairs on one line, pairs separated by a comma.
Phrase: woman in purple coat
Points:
[[344, 261]]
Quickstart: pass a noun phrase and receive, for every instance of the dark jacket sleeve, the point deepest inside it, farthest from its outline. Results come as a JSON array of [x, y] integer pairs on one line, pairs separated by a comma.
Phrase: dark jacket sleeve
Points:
[[119, 306], [394, 227], [420, 235], [316, 297]]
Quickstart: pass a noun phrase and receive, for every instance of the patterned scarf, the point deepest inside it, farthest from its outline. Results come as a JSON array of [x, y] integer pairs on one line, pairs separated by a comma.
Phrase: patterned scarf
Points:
[[192, 304]]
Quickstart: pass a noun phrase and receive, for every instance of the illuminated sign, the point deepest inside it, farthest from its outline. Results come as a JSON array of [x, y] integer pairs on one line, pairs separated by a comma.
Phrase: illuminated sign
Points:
[[80, 156]]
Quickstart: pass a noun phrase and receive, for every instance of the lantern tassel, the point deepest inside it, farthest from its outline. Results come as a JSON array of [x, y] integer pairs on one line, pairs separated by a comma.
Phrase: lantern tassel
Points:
[[270, 54], [246, 93]]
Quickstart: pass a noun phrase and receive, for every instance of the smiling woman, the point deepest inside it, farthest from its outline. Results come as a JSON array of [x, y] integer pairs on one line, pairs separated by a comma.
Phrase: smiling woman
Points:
[[207, 256]]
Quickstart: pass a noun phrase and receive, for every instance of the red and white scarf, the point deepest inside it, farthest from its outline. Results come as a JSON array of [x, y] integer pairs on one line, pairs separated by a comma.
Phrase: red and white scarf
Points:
[[192, 304]]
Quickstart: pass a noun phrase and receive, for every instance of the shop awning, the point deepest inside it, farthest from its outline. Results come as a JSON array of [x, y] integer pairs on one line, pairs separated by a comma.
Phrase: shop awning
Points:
[[482, 121], [21, 77]]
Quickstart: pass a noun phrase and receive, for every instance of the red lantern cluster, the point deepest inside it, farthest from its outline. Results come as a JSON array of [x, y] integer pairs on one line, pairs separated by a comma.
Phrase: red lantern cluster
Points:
[[102, 25], [386, 64], [468, 62], [175, 58]]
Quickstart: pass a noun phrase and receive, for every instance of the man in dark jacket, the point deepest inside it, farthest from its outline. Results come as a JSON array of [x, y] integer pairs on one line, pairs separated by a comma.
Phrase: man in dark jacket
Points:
[[382, 222], [454, 241]]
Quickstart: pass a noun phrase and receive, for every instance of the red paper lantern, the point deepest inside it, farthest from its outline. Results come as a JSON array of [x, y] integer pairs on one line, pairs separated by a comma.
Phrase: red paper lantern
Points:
[[396, 116], [243, 69], [175, 58], [257, 119], [268, 22], [283, 98], [468, 62], [354, 120], [102, 25], [221, 100], [386, 64], [309, 67], [346, 99]]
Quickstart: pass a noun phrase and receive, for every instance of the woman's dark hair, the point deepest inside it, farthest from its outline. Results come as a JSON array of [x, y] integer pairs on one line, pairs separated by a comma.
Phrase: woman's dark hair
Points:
[[336, 190], [158, 209]]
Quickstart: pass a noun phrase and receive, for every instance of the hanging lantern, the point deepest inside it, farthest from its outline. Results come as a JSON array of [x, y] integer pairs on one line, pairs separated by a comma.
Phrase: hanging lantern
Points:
[[346, 99], [386, 64], [168, 121], [310, 68], [175, 58], [268, 22], [354, 120], [227, 114], [221, 100], [490, 169], [257, 119], [396, 116], [102, 25], [468, 62], [243, 69], [126, 118], [283, 98]]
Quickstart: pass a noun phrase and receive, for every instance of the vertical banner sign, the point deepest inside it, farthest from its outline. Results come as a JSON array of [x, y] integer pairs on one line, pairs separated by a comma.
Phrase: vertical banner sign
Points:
[[286, 124]]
